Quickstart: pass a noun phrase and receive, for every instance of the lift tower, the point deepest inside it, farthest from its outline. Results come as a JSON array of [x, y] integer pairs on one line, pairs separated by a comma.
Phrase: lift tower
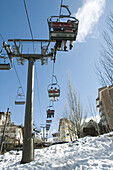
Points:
[[28, 144]]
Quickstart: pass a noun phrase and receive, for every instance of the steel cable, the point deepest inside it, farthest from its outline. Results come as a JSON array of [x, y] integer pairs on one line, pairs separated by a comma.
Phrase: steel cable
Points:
[[34, 52]]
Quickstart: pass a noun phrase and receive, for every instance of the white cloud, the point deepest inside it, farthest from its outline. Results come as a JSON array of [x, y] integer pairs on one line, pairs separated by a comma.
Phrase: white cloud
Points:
[[88, 16]]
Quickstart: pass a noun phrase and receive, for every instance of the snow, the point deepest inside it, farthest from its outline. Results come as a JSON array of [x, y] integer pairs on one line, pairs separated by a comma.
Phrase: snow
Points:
[[87, 153], [95, 118]]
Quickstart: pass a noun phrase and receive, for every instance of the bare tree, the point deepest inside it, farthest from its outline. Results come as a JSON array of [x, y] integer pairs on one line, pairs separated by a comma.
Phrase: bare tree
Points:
[[104, 66], [74, 112]]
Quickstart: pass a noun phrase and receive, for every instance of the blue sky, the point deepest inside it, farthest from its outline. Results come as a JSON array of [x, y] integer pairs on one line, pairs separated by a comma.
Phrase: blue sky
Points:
[[78, 63]]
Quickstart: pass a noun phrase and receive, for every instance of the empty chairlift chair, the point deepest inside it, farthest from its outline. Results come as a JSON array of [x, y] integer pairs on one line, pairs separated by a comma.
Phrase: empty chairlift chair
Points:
[[4, 66], [20, 99]]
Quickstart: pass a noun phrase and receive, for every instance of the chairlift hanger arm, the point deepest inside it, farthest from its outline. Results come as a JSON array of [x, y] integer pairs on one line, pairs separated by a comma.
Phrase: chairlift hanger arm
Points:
[[55, 78], [9, 52], [66, 6], [7, 48]]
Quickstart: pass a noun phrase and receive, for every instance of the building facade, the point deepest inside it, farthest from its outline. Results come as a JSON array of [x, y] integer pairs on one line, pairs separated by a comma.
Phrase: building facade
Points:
[[13, 133], [66, 134], [105, 106], [3, 118]]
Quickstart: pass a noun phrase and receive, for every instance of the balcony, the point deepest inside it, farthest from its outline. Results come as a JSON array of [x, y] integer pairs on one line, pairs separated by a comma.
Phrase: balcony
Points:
[[98, 102]]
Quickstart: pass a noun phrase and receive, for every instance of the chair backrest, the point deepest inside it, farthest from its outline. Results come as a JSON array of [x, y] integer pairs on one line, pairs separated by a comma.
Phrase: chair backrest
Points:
[[62, 25], [5, 67], [63, 30]]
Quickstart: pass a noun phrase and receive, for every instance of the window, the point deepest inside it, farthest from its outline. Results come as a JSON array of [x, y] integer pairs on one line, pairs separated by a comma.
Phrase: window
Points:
[[63, 130], [63, 126]]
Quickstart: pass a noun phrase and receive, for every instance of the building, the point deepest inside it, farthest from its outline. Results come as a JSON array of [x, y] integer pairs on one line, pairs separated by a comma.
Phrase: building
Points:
[[56, 137], [105, 106], [65, 132], [37, 136], [13, 135], [3, 118]]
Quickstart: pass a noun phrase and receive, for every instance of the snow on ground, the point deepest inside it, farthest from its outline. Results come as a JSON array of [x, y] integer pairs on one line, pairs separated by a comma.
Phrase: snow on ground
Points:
[[89, 153]]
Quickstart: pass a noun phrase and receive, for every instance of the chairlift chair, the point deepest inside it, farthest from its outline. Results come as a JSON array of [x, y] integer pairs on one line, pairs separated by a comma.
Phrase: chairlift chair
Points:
[[20, 99], [62, 30], [54, 90], [4, 66], [50, 111], [48, 126], [47, 129], [19, 102]]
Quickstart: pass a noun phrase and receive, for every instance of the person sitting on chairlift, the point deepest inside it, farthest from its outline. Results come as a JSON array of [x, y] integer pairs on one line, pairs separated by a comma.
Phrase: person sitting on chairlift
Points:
[[58, 42], [65, 41], [56, 91], [51, 91]]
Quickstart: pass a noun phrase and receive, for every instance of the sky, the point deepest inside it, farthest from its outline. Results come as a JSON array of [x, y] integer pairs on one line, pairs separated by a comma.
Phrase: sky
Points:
[[79, 63], [86, 153]]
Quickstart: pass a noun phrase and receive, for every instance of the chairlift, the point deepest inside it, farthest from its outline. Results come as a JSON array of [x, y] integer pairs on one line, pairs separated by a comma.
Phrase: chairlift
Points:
[[54, 90], [49, 121], [63, 30], [20, 99], [63, 27], [47, 127], [50, 111], [4, 65]]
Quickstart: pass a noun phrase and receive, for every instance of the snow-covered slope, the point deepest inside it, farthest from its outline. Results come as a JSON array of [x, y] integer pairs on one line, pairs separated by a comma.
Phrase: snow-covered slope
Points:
[[89, 153]]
